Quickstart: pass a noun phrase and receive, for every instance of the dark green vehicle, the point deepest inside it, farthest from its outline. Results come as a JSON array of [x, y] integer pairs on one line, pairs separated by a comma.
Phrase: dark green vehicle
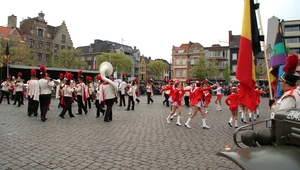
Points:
[[272, 144]]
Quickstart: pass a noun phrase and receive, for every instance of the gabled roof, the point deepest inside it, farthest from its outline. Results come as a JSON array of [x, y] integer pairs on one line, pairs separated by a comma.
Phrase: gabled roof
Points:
[[6, 32], [184, 47]]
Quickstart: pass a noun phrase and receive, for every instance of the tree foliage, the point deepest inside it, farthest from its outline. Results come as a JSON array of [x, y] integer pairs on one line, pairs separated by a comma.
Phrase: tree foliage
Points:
[[156, 68], [67, 59], [18, 51], [120, 62], [226, 73], [204, 68]]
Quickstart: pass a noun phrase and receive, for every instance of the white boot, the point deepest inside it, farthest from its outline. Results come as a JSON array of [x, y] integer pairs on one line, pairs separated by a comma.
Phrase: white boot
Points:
[[187, 123], [178, 121], [230, 122], [168, 119], [190, 111], [204, 124], [257, 112], [235, 123], [175, 114], [250, 116], [254, 116]]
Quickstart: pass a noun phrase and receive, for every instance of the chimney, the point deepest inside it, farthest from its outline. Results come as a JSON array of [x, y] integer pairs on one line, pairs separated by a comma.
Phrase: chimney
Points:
[[12, 21], [230, 37], [41, 16], [134, 47]]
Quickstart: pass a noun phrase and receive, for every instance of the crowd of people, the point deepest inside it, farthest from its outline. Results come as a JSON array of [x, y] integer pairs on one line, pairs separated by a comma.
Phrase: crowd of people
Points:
[[101, 92]]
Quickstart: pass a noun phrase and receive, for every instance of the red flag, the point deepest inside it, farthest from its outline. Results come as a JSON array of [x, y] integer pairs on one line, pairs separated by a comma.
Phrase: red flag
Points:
[[249, 47], [6, 54]]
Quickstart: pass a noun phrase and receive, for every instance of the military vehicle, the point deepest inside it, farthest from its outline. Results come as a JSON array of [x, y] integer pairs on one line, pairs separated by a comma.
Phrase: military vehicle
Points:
[[271, 144]]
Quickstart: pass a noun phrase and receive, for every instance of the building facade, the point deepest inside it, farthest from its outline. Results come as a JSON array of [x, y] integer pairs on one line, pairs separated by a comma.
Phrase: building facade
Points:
[[90, 52], [43, 39]]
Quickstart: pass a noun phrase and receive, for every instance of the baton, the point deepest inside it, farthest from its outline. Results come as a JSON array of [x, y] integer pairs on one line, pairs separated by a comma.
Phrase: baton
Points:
[[209, 81]]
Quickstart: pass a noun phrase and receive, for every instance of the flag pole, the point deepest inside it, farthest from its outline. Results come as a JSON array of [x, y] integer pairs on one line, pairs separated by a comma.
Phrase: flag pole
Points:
[[265, 52]]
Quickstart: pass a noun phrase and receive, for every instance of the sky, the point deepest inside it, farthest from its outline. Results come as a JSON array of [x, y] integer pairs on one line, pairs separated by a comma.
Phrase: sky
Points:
[[153, 26]]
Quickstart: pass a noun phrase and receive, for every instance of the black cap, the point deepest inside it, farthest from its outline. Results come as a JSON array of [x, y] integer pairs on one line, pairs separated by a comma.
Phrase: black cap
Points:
[[290, 78]]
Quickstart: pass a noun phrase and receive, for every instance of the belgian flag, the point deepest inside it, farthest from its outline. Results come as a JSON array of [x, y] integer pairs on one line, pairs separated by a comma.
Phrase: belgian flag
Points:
[[249, 47]]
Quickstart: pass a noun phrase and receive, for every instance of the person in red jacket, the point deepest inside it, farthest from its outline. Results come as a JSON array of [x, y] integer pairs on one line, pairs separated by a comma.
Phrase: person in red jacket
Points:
[[198, 105], [177, 95], [233, 102], [258, 93], [207, 98]]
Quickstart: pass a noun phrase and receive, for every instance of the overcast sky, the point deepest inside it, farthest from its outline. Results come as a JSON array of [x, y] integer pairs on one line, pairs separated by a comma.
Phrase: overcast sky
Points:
[[153, 26]]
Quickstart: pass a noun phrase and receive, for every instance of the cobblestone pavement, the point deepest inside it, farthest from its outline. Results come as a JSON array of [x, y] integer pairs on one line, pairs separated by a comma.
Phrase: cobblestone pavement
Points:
[[139, 139]]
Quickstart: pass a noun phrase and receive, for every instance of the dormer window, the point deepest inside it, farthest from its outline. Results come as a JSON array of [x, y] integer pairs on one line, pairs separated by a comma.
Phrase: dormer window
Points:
[[91, 50], [180, 51]]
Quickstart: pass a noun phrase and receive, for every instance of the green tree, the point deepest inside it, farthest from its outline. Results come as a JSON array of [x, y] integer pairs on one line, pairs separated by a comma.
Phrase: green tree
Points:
[[205, 68], [67, 59], [226, 73], [18, 51], [120, 62], [156, 68]]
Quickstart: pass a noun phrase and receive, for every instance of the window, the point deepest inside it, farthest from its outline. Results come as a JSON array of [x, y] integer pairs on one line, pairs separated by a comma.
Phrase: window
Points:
[[91, 50], [291, 28], [40, 57], [31, 43], [177, 61], [69, 48], [62, 47], [292, 40], [295, 50], [192, 61], [40, 44], [47, 45], [40, 32], [180, 51], [195, 51], [177, 72], [184, 61], [82, 58], [56, 59], [89, 67], [233, 68], [63, 38], [47, 56], [56, 47], [183, 73], [89, 58], [234, 56]]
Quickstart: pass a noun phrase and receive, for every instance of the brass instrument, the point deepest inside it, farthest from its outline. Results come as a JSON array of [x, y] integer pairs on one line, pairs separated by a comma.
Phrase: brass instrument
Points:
[[106, 69]]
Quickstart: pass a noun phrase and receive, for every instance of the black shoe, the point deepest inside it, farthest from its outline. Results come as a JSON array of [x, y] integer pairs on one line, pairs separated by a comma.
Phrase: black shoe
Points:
[[97, 116], [86, 112], [250, 119], [132, 109], [61, 116], [35, 115], [14, 104], [102, 111], [229, 124], [29, 115], [120, 105], [257, 115], [72, 116], [106, 120]]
